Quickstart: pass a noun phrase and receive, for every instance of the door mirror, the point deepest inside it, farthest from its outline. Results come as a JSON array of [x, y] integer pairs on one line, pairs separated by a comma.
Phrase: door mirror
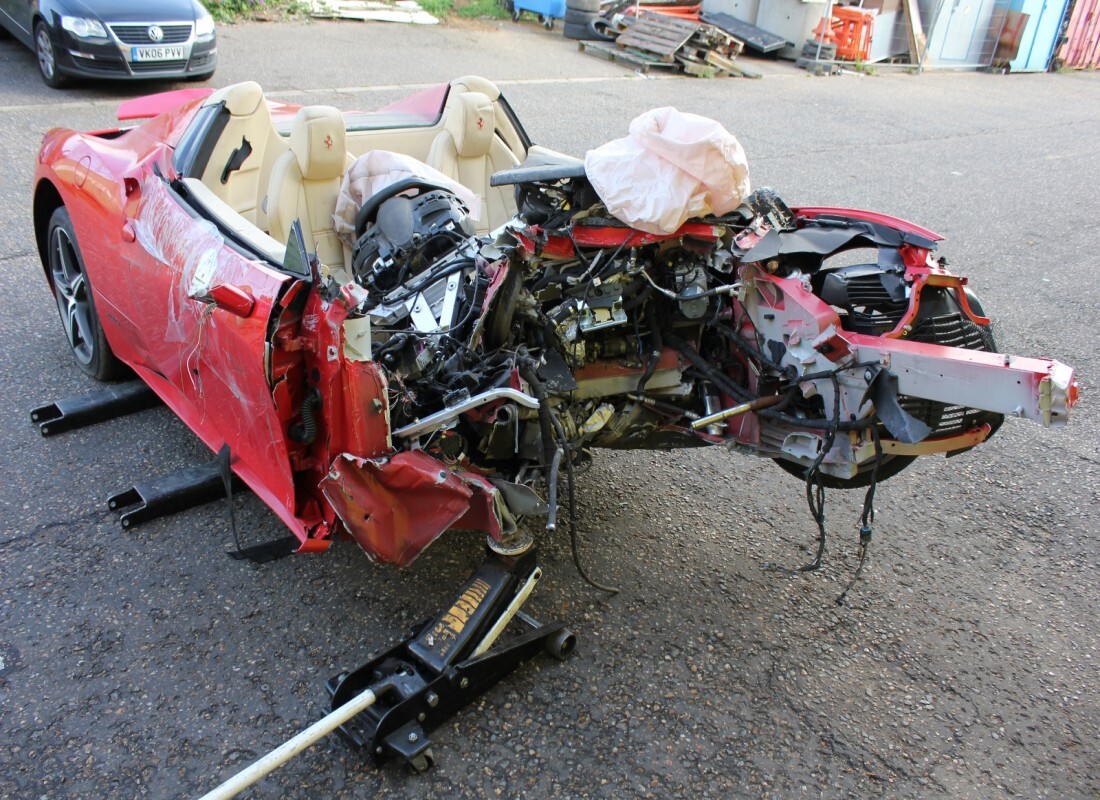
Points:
[[230, 298]]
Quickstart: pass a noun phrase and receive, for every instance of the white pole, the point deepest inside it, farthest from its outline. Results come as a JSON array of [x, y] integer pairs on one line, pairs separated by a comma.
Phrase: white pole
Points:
[[284, 752]]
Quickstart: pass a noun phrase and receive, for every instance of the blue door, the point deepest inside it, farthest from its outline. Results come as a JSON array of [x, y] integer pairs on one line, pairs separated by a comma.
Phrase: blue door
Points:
[[1040, 34]]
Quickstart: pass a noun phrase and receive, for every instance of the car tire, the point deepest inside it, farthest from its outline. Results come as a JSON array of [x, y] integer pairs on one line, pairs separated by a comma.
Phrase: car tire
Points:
[[888, 467], [591, 6], [573, 17], [75, 300], [46, 56], [601, 30], [573, 30]]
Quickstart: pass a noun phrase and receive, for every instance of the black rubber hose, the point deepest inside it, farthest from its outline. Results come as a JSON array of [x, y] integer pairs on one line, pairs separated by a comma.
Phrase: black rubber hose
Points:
[[745, 347], [527, 371], [657, 345], [715, 375], [306, 431]]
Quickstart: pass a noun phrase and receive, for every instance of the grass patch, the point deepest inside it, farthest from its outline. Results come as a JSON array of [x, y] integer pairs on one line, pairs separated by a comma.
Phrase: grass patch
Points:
[[238, 10], [478, 9], [437, 8]]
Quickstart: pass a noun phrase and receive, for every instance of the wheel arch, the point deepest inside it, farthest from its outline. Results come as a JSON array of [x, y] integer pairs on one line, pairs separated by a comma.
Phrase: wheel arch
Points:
[[46, 18], [48, 12], [47, 199]]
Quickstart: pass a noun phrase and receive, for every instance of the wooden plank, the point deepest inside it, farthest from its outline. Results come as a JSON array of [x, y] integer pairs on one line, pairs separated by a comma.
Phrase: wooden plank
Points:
[[611, 53], [728, 66], [655, 45], [723, 64], [647, 41], [915, 31], [697, 69], [650, 59], [660, 22]]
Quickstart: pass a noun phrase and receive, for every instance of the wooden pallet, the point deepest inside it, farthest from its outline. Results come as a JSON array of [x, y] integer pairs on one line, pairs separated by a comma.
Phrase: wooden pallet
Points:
[[657, 34], [636, 59], [711, 51], [655, 40]]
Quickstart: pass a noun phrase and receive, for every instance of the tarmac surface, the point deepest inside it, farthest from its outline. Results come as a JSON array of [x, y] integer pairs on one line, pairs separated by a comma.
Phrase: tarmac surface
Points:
[[148, 664]]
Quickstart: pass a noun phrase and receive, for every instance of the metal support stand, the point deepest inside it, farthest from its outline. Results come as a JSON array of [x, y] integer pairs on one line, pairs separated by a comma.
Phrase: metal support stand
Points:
[[447, 663], [168, 494], [87, 409]]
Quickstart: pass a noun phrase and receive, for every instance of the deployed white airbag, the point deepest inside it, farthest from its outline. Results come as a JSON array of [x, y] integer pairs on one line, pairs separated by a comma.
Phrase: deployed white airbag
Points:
[[673, 166]]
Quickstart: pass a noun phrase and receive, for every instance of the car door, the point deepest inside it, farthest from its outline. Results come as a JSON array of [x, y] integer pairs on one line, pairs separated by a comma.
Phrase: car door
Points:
[[202, 306], [17, 18]]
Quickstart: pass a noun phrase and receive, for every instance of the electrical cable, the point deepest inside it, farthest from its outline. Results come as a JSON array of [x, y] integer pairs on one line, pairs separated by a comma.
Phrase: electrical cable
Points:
[[573, 538], [867, 520]]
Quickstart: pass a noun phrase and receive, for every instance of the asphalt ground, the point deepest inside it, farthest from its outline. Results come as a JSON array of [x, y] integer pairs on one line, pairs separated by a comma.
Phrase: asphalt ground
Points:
[[148, 664]]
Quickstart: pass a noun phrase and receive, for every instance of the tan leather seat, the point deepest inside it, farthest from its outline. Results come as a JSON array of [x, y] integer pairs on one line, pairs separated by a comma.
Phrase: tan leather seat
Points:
[[248, 133], [469, 151], [306, 180]]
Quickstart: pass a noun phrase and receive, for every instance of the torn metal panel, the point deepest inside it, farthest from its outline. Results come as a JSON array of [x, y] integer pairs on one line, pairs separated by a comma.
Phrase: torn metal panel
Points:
[[395, 507]]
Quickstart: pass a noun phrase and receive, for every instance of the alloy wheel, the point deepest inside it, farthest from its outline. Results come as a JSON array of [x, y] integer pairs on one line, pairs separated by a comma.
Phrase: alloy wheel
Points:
[[44, 51], [71, 293]]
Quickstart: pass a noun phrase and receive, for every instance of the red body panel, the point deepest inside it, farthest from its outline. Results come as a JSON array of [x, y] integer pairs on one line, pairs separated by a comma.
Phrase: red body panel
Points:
[[811, 212], [146, 257], [153, 105]]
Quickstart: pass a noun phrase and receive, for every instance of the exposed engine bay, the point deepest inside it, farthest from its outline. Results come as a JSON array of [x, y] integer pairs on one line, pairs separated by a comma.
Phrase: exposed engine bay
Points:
[[509, 359]]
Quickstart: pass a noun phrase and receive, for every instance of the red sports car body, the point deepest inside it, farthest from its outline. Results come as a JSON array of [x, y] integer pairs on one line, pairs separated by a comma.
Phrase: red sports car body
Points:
[[560, 332]]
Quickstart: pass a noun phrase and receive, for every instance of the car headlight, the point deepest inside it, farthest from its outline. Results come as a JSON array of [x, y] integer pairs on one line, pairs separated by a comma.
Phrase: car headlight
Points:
[[83, 28], [204, 24]]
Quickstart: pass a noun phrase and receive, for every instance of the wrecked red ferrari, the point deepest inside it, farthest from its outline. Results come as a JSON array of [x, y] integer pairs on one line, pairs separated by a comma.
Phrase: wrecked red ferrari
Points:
[[390, 350]]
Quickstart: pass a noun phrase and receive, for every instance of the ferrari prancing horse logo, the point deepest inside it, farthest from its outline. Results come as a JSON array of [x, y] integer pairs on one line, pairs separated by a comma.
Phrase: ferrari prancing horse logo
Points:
[[328, 142], [480, 123]]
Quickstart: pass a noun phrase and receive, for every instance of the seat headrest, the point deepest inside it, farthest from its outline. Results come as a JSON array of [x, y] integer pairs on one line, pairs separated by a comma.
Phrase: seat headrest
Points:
[[319, 142], [241, 99], [471, 121], [475, 83]]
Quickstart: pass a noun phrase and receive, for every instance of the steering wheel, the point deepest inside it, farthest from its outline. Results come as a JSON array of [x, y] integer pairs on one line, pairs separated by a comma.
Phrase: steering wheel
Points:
[[374, 202]]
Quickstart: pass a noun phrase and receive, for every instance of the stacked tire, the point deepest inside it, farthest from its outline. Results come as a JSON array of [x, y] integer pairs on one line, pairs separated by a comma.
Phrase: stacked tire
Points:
[[579, 16], [816, 57]]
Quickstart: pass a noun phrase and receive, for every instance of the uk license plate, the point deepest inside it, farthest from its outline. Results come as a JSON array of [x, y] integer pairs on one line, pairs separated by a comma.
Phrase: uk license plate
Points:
[[162, 53]]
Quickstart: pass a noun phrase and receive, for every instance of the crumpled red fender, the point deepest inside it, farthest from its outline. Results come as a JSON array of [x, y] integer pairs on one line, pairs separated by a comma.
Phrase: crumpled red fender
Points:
[[395, 507]]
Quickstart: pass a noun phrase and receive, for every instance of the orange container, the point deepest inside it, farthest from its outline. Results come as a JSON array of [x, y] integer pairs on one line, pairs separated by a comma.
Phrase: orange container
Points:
[[853, 28]]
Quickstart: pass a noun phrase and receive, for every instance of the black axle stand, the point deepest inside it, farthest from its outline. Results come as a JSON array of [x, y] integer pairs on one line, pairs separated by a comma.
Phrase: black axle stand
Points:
[[87, 409], [447, 662]]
